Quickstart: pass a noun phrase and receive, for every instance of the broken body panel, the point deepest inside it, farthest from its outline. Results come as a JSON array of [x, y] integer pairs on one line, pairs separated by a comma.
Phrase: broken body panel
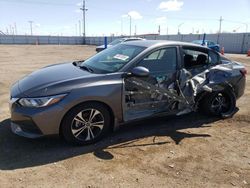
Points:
[[177, 92]]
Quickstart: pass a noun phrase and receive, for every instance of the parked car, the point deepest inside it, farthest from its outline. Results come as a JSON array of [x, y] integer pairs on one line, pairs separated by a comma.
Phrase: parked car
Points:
[[83, 100], [117, 41], [209, 44]]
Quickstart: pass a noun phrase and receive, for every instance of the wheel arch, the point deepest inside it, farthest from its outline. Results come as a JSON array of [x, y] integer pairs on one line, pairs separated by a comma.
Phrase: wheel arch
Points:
[[222, 88], [111, 112], [225, 87]]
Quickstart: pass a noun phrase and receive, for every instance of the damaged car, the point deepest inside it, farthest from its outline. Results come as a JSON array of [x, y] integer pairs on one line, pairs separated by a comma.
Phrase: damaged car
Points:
[[82, 101]]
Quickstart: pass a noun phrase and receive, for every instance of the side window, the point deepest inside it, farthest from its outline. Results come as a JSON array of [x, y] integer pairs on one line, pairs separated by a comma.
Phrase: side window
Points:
[[163, 60], [213, 58], [194, 58]]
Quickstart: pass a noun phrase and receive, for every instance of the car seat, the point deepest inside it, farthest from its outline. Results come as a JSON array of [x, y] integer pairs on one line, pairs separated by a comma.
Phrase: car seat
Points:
[[201, 59], [188, 60]]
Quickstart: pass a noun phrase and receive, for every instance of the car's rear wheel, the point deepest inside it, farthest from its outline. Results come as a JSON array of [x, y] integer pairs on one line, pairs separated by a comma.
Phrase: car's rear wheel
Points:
[[218, 103], [86, 123]]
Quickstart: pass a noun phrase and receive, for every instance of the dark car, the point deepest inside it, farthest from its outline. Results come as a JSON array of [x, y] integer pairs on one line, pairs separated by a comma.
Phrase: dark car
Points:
[[117, 41], [83, 100], [209, 44]]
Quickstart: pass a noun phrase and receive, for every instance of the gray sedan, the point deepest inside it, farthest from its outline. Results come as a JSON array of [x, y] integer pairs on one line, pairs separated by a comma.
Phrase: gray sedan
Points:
[[83, 100]]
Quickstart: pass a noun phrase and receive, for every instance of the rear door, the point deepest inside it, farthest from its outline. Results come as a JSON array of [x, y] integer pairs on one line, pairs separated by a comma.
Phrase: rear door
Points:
[[197, 60], [149, 96]]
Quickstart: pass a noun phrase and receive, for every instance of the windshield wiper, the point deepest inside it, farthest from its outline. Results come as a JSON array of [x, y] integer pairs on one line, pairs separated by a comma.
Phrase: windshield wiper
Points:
[[86, 68], [78, 63]]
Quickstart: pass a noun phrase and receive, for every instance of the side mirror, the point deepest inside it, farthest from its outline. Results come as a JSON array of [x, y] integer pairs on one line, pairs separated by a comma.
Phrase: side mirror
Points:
[[140, 71]]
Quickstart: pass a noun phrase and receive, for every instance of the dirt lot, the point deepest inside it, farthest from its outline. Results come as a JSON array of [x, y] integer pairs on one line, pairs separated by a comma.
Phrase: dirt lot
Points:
[[188, 151]]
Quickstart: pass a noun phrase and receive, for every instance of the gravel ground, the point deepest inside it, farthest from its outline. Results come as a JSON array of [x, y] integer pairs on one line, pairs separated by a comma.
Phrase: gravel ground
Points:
[[187, 151]]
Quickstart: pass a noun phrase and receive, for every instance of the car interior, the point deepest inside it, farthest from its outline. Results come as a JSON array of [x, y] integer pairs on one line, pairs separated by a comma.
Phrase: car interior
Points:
[[193, 58], [160, 60]]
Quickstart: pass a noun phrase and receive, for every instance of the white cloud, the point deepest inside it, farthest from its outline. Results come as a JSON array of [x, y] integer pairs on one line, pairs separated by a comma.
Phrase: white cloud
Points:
[[171, 5], [79, 4], [161, 20], [124, 16], [135, 15], [77, 10]]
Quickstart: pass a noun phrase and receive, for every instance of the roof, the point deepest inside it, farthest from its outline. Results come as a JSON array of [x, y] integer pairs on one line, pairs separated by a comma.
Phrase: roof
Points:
[[127, 38], [151, 43]]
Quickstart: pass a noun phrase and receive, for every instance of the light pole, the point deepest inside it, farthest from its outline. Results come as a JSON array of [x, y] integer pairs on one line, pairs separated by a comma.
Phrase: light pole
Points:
[[79, 21], [31, 22], [220, 20], [246, 27], [179, 27], [121, 27], [76, 28], [130, 24]]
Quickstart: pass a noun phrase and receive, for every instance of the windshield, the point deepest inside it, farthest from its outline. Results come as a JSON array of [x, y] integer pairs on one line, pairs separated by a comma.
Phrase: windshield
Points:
[[117, 41], [112, 59]]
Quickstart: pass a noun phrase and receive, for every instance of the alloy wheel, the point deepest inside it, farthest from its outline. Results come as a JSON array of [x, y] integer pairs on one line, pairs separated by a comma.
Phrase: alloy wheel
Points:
[[87, 124], [220, 104]]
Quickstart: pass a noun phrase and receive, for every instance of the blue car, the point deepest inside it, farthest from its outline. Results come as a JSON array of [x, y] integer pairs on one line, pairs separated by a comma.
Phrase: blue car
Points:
[[209, 44]]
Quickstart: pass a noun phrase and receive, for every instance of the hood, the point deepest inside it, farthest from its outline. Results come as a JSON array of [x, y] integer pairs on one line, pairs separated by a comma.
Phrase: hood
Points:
[[43, 81]]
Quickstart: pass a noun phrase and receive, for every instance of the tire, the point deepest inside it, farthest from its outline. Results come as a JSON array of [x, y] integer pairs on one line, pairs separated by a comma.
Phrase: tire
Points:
[[218, 103], [86, 124]]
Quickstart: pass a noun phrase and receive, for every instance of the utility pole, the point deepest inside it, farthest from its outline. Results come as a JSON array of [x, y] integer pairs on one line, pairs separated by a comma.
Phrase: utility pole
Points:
[[135, 29], [83, 9], [31, 22], [220, 20]]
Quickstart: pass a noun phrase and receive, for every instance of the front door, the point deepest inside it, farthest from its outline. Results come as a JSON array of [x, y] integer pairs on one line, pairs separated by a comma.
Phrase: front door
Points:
[[152, 95]]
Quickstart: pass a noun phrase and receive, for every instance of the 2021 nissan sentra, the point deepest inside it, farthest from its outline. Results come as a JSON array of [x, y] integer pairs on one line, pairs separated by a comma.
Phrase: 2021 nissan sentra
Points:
[[83, 100]]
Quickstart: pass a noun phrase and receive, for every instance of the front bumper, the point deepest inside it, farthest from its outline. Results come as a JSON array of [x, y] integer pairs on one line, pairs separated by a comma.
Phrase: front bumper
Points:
[[36, 122], [25, 133]]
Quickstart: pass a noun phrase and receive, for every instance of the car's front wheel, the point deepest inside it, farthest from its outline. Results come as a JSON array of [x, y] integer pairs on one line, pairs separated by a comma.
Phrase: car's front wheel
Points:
[[86, 123]]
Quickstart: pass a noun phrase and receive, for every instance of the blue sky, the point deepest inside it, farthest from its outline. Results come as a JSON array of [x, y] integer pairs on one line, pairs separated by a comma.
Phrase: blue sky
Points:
[[105, 17]]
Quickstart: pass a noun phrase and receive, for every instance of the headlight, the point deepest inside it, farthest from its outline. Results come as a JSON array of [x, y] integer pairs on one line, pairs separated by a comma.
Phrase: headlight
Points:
[[41, 101]]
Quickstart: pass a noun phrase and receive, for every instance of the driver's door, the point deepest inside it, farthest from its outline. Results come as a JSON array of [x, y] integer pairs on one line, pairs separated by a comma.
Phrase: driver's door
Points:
[[147, 96]]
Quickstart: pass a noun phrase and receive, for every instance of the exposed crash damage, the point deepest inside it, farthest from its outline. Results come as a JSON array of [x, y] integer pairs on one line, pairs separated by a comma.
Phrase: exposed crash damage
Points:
[[130, 81], [183, 95]]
